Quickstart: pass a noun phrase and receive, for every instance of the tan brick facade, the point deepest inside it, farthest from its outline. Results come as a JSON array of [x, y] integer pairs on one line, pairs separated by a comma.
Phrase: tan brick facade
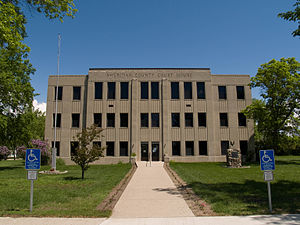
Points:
[[181, 142]]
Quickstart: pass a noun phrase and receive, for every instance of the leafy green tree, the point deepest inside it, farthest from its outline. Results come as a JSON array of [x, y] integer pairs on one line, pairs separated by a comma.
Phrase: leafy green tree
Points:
[[16, 92], [87, 152], [293, 16], [279, 82]]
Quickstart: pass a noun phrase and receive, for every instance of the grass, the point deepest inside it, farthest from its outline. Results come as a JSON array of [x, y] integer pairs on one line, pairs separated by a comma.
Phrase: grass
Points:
[[243, 191], [57, 195]]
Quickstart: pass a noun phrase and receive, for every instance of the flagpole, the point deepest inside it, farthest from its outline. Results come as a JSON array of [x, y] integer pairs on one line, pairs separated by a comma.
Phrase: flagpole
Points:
[[54, 149]]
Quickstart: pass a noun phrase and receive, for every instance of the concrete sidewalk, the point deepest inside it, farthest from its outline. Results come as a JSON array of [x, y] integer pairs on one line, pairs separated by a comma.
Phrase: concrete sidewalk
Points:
[[151, 194]]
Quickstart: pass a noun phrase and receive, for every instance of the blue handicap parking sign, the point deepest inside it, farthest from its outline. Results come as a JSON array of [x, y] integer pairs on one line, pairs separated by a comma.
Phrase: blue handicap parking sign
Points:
[[267, 160], [33, 159]]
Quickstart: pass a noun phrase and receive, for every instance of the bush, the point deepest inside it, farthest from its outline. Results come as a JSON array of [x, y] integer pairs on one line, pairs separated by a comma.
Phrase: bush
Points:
[[4, 152], [44, 147], [21, 152]]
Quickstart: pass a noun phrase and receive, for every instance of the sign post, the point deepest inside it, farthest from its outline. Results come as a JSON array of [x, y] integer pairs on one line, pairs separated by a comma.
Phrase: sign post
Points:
[[267, 164], [32, 164]]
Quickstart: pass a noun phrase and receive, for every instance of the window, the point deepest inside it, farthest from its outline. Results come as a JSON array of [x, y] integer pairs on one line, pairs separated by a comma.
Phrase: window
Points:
[[200, 90], [124, 90], [242, 120], [202, 147], [144, 90], [58, 120], [188, 119], [57, 146], [144, 120], [98, 90], [98, 119], [223, 120], [154, 119], [76, 93], [224, 147], [240, 92], [175, 119], [189, 148], [154, 90], [74, 145], [123, 148], [110, 148], [174, 90], [188, 94], [202, 119], [222, 92], [176, 148], [111, 90], [123, 119], [60, 92], [110, 120], [244, 147], [75, 119]]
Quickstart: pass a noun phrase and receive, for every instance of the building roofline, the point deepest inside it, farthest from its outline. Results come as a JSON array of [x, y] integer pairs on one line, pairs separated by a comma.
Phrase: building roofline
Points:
[[147, 68]]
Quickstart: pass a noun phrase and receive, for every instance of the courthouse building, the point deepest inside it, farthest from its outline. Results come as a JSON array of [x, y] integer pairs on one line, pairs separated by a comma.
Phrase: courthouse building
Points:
[[185, 114]]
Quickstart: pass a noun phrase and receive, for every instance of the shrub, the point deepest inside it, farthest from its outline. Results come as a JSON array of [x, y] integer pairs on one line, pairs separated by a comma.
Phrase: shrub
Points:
[[4, 152], [21, 152], [44, 147]]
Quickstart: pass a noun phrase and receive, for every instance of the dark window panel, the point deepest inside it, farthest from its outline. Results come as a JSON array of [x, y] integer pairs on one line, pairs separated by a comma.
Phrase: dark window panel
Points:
[[60, 93], [111, 90], [176, 148], [123, 119], [174, 90], [110, 148], [175, 119], [242, 120], [98, 90], [202, 147], [200, 90], [124, 90], [74, 145], [110, 120], [240, 92], [224, 147], [144, 90], [76, 93], [189, 148], [155, 119], [98, 119], [188, 119], [58, 120], [123, 148], [75, 120], [244, 147], [154, 90], [144, 120], [223, 120], [57, 146], [202, 119], [222, 92], [188, 92]]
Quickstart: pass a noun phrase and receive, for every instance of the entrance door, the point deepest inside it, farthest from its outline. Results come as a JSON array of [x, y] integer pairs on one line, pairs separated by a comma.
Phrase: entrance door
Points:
[[144, 151], [155, 151]]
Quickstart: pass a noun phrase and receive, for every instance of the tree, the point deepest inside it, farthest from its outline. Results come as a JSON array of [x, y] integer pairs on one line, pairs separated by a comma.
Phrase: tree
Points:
[[87, 152], [279, 82], [16, 92], [293, 16]]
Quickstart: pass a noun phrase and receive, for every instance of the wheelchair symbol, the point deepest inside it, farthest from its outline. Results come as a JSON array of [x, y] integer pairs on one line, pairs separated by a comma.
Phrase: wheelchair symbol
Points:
[[31, 157], [265, 158]]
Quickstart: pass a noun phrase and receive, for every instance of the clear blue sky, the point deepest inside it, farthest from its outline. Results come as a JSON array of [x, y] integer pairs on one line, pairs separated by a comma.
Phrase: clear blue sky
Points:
[[230, 37]]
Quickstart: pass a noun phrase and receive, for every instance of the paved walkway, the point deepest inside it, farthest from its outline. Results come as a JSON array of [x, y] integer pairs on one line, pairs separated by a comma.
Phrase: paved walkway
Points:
[[151, 194]]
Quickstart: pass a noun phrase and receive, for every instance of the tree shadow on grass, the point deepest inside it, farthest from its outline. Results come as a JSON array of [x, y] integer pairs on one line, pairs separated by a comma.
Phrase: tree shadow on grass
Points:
[[289, 162], [250, 197], [72, 178]]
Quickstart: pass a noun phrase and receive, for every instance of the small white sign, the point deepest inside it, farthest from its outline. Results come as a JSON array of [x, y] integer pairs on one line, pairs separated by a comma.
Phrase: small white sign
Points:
[[31, 175], [268, 175]]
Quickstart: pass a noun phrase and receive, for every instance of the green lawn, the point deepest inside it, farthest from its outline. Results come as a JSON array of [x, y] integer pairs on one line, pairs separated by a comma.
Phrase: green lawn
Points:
[[243, 191], [57, 195]]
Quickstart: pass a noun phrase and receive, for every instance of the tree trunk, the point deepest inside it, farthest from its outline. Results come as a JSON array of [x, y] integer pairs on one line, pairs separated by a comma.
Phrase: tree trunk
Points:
[[82, 173]]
